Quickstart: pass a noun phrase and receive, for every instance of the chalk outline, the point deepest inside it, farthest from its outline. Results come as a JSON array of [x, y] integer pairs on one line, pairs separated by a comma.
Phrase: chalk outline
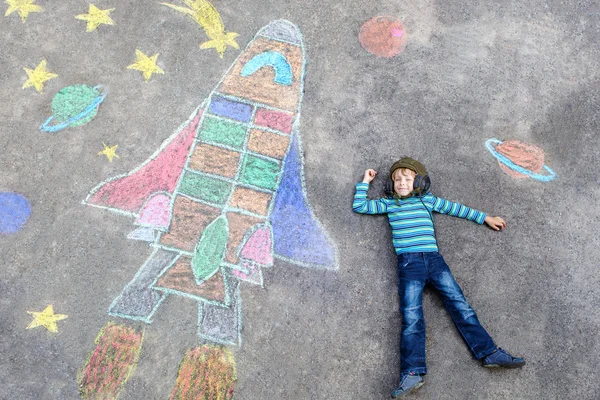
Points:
[[237, 302], [205, 109], [147, 319]]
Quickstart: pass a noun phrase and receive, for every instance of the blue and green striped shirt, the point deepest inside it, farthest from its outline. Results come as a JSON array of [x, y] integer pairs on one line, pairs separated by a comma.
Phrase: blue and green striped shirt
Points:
[[410, 219]]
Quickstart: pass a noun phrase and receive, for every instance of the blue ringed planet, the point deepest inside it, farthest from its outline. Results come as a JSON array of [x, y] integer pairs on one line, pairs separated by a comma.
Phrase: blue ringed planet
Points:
[[66, 103], [491, 144]]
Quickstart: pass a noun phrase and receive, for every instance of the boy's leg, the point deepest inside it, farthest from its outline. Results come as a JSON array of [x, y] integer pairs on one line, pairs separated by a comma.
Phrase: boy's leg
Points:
[[411, 281], [464, 317]]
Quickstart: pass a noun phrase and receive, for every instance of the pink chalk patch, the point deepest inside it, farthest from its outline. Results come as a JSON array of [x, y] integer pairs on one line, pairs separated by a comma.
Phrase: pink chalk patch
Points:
[[159, 174], [397, 32], [274, 119], [259, 247], [156, 212]]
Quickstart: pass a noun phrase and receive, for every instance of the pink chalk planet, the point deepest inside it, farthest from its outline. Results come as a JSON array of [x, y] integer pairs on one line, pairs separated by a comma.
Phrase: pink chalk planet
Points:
[[520, 160], [383, 36]]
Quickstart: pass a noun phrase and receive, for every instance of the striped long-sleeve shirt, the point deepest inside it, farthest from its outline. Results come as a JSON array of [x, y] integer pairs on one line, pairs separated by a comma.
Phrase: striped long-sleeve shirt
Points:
[[410, 219]]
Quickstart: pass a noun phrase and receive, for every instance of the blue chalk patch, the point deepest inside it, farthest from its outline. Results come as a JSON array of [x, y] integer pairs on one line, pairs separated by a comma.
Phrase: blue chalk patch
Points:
[[230, 109], [283, 70], [296, 234], [14, 212]]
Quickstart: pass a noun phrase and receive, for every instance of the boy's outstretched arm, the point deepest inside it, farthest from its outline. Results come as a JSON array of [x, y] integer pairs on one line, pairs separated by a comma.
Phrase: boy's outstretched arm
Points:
[[363, 206], [444, 206]]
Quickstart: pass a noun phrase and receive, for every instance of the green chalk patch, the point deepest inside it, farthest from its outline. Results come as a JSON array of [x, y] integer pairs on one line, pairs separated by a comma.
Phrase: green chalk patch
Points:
[[205, 188], [223, 132], [260, 172], [210, 249], [72, 100]]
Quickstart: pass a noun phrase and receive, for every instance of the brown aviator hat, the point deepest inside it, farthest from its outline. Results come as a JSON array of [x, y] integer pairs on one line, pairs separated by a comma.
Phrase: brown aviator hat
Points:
[[410, 163]]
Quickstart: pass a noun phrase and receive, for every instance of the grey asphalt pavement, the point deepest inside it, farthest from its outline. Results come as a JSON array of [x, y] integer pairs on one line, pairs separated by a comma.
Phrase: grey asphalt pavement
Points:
[[510, 70]]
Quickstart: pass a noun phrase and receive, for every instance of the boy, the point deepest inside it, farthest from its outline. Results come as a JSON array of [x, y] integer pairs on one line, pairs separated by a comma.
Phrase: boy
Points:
[[409, 210]]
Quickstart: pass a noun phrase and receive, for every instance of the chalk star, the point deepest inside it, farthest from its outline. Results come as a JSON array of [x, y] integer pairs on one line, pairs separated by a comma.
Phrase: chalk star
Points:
[[95, 17], [147, 65], [38, 76], [109, 152], [24, 7], [220, 41], [46, 318]]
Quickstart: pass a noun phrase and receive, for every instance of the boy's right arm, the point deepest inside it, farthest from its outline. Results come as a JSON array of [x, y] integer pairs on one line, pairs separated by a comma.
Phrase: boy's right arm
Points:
[[361, 204]]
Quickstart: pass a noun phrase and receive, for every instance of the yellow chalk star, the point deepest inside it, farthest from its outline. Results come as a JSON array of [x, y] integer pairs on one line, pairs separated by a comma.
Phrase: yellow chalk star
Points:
[[38, 76], [109, 152], [46, 318], [24, 7], [147, 65], [95, 17]]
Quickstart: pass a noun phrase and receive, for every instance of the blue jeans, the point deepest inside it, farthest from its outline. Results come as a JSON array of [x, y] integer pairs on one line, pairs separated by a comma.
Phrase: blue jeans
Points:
[[415, 270]]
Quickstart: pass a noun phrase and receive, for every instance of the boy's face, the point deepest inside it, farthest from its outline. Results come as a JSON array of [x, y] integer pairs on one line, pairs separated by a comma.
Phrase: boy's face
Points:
[[404, 179]]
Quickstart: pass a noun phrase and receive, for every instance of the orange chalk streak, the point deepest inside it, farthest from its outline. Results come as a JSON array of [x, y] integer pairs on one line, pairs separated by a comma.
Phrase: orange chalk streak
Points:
[[111, 363], [206, 373]]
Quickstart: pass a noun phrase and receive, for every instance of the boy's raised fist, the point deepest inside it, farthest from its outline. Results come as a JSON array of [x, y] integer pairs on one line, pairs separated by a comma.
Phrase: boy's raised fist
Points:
[[369, 175]]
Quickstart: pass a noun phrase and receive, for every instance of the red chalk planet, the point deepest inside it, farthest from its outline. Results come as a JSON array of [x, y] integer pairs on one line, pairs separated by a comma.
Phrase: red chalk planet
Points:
[[383, 36]]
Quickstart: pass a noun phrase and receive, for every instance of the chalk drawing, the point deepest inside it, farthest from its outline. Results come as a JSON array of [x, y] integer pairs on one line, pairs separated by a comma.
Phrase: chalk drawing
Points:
[[225, 194], [23, 7], [520, 160], [109, 151], [207, 16], [46, 318], [111, 363], [383, 36], [206, 373], [74, 106], [37, 76], [220, 199], [146, 65], [95, 17], [14, 212]]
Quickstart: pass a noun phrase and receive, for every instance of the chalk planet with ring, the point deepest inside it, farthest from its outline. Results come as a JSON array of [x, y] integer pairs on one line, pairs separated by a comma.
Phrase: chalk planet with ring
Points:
[[520, 160], [74, 106]]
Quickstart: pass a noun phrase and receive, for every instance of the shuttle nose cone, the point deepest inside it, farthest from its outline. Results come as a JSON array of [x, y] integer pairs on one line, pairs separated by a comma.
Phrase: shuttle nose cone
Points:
[[282, 30]]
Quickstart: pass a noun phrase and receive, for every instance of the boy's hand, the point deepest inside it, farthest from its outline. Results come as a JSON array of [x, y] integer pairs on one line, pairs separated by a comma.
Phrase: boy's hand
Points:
[[496, 223], [369, 175]]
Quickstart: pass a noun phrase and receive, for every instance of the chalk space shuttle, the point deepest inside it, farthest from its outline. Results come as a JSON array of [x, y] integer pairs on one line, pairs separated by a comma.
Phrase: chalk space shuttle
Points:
[[224, 195]]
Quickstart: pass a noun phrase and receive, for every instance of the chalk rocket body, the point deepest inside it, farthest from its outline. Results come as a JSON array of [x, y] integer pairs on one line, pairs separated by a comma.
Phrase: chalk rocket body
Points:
[[225, 194]]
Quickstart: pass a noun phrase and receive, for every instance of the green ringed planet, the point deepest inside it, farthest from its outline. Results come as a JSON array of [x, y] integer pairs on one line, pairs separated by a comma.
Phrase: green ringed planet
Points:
[[74, 106]]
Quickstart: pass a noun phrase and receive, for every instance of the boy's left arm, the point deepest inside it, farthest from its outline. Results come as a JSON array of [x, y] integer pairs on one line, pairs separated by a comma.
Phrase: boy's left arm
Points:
[[444, 206]]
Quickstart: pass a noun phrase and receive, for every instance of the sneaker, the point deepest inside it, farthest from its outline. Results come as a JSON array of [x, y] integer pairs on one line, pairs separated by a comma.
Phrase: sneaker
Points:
[[501, 359], [408, 383]]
